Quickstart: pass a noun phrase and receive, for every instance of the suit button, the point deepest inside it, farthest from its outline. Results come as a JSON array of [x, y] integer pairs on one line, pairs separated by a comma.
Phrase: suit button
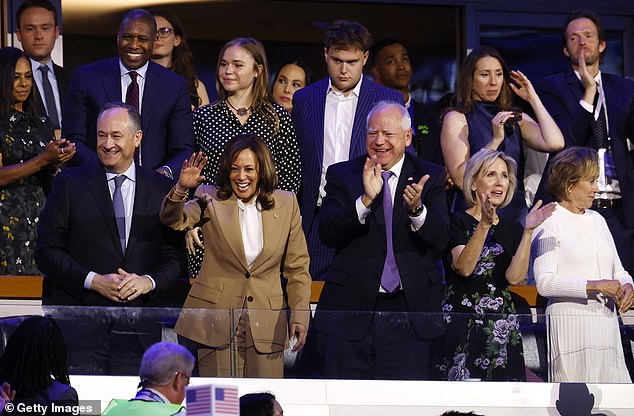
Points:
[[247, 275], [250, 298]]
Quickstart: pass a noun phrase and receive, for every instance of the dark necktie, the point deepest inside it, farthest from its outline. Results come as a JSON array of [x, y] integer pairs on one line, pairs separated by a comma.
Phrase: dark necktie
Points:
[[389, 277], [49, 98], [132, 98], [119, 209], [599, 128]]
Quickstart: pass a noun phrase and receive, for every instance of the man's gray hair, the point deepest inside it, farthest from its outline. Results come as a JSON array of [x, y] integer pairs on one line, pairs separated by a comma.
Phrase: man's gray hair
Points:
[[406, 121], [133, 114], [162, 360]]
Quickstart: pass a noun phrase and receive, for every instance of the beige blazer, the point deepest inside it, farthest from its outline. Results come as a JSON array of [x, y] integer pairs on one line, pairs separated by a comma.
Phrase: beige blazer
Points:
[[226, 285]]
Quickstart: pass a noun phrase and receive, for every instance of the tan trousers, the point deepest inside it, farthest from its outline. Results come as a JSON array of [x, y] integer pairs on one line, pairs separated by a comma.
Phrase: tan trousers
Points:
[[240, 359]]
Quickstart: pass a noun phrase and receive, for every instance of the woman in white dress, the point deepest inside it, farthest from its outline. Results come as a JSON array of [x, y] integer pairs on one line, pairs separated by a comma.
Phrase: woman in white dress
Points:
[[577, 268]]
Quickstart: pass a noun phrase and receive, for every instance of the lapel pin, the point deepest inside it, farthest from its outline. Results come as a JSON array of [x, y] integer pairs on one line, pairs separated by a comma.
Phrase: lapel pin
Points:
[[276, 216]]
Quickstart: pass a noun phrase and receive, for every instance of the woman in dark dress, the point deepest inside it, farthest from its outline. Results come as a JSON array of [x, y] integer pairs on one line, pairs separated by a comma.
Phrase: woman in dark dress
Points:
[[244, 106], [29, 158], [483, 117], [486, 255]]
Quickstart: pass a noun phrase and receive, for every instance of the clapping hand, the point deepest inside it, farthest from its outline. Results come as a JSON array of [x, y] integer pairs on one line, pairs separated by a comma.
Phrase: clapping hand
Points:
[[488, 210], [538, 215], [190, 176], [372, 180], [412, 192]]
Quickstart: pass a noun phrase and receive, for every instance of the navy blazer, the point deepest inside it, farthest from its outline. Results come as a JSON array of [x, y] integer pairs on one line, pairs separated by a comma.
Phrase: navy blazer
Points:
[[309, 107], [353, 279], [168, 135], [62, 86], [77, 233], [561, 94]]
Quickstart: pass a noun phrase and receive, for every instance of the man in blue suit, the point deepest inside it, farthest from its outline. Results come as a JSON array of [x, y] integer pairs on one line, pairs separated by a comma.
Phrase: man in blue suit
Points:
[[100, 243], [160, 95], [329, 118], [388, 239], [596, 109]]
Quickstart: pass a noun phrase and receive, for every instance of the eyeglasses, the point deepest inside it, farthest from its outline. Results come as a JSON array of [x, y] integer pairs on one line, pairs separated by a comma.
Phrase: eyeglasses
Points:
[[164, 32], [185, 375]]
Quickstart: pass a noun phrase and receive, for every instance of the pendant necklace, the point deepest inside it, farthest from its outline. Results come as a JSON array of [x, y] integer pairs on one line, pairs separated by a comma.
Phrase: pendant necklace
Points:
[[240, 111]]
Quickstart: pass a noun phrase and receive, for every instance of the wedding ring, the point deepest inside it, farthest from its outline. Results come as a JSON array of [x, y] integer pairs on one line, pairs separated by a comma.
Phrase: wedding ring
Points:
[[63, 150]]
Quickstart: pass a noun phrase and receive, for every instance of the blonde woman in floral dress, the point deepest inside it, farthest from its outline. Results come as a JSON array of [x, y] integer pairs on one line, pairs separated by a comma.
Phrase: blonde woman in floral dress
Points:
[[486, 256]]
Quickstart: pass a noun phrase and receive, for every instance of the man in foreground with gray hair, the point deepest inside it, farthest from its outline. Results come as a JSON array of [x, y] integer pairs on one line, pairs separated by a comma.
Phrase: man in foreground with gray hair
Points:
[[165, 371]]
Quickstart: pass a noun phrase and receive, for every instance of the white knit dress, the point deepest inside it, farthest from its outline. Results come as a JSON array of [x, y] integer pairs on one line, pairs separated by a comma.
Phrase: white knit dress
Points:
[[584, 341]]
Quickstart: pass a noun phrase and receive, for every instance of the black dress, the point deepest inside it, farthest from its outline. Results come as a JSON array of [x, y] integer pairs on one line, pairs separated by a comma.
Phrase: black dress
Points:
[[482, 331], [22, 137], [215, 125]]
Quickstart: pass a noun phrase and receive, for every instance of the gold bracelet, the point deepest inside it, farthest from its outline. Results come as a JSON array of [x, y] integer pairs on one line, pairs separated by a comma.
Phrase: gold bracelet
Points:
[[182, 195]]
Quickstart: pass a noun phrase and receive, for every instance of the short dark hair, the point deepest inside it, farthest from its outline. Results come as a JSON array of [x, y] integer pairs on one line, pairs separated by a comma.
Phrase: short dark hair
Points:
[[377, 47], [138, 14], [267, 175], [257, 404], [35, 351], [570, 166], [133, 114], [29, 4], [9, 57], [345, 34]]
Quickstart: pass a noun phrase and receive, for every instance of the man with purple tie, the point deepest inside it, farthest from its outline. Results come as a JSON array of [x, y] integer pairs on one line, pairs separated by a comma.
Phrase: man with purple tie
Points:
[[385, 214], [158, 94]]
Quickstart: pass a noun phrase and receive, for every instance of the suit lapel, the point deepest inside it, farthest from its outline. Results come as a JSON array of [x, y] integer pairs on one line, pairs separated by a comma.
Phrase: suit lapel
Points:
[[318, 109], [141, 199], [229, 223], [98, 186], [112, 81], [151, 95], [399, 209], [272, 221], [575, 85], [364, 105]]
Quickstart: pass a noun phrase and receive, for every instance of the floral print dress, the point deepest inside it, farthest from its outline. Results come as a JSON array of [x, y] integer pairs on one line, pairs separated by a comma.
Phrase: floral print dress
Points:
[[21, 138], [482, 330]]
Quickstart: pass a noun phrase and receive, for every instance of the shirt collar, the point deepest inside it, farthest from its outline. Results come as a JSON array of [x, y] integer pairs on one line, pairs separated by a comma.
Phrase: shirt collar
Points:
[[253, 204], [355, 91], [141, 71], [398, 167], [35, 65], [130, 173], [597, 79]]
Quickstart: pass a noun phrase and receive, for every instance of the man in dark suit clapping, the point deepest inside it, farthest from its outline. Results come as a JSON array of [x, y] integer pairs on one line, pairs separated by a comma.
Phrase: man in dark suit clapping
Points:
[[385, 214]]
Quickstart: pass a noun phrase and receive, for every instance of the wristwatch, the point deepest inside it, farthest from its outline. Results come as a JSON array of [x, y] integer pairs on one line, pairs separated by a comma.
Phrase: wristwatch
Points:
[[417, 211]]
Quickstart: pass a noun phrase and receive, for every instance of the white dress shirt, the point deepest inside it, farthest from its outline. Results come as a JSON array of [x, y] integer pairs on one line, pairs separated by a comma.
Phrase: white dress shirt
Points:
[[37, 76], [608, 189], [338, 121], [251, 229], [126, 81]]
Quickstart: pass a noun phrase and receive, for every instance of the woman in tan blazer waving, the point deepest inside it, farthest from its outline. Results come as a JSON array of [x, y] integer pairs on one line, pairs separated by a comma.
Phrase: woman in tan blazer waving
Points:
[[252, 233]]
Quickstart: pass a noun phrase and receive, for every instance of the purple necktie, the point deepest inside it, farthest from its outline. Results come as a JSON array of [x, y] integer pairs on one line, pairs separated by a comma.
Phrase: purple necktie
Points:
[[390, 278], [132, 98], [119, 209]]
